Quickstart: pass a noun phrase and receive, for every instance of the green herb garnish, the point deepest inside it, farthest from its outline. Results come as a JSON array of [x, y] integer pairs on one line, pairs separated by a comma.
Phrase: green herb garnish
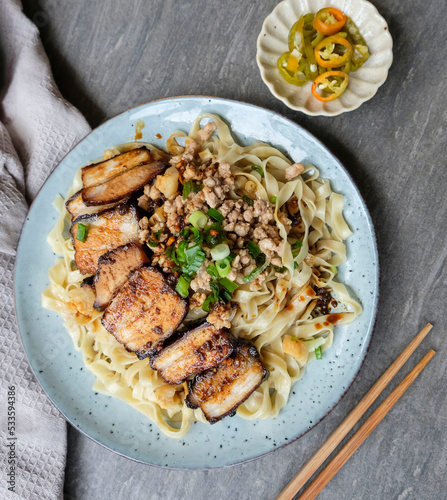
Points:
[[228, 284], [216, 215], [256, 272], [253, 249], [81, 233], [259, 169], [190, 187], [182, 287], [248, 200]]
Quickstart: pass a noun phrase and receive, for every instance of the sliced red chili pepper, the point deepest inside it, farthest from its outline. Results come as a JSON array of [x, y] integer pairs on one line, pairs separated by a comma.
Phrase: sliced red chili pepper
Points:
[[331, 58], [329, 21], [334, 83]]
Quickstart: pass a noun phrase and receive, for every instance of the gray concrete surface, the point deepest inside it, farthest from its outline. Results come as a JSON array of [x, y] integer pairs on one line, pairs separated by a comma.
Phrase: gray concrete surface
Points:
[[109, 56]]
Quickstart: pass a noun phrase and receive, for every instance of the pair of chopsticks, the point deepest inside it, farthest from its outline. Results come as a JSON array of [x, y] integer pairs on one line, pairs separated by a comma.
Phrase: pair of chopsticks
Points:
[[348, 423]]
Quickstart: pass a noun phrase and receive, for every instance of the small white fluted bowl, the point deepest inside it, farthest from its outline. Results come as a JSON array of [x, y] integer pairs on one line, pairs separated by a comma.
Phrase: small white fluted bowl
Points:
[[363, 84]]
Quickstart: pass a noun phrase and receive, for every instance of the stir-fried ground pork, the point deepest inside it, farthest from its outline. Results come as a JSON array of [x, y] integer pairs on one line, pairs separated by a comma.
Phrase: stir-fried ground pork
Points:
[[213, 186]]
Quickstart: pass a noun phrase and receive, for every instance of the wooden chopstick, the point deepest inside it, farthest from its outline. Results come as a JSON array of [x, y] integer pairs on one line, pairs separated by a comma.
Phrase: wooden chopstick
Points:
[[348, 423], [364, 431]]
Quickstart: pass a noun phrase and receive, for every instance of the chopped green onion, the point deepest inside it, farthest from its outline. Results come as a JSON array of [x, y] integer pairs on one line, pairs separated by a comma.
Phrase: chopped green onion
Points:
[[190, 234], [181, 251], [333, 270], [196, 235], [182, 287], [212, 298], [258, 169], [208, 301], [254, 249], [223, 266], [273, 199], [152, 243], [295, 265], [248, 200], [82, 232], [282, 269], [198, 219], [212, 271], [313, 344], [171, 254], [232, 256], [219, 238], [318, 353], [228, 284], [216, 215], [215, 289], [194, 259], [220, 251], [158, 234], [226, 295], [295, 247], [260, 259], [190, 187], [256, 272]]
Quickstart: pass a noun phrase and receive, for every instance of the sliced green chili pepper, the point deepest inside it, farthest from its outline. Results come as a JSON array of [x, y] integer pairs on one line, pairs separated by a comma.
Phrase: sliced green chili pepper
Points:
[[297, 73]]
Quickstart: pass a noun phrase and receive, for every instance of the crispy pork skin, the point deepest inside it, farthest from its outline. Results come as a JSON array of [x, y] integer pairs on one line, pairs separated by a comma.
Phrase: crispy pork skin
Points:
[[145, 311], [106, 230], [219, 391], [77, 207], [123, 185], [88, 284], [196, 350], [98, 173], [113, 269]]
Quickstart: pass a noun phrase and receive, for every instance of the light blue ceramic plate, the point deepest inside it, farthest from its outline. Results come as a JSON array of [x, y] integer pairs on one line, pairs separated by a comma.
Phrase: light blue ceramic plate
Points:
[[110, 422]]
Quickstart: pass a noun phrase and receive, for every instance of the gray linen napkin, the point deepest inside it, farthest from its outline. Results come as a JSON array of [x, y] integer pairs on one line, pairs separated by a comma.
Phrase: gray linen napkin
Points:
[[37, 128]]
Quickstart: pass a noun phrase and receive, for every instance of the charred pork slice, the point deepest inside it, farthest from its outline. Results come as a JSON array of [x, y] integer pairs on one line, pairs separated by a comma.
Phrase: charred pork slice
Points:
[[98, 173], [195, 351], [113, 269], [77, 207], [219, 391], [145, 311], [124, 185], [105, 231]]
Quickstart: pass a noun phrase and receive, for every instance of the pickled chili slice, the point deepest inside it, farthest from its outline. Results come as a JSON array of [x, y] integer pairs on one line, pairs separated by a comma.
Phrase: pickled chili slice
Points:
[[329, 21], [301, 37], [293, 68], [331, 85], [360, 55], [353, 33], [327, 52]]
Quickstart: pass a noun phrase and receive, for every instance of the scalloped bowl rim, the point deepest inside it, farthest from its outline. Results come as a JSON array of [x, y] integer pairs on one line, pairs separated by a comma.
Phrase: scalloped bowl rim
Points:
[[322, 112]]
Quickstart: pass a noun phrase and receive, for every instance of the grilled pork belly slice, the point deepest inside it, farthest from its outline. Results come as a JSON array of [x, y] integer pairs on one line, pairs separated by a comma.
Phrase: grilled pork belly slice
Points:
[[196, 350], [145, 311], [106, 230], [123, 185], [219, 391], [88, 284], [113, 269], [77, 207], [103, 171]]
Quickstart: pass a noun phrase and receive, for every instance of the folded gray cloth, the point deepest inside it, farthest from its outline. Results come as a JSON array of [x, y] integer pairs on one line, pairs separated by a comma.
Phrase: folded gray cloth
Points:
[[37, 128]]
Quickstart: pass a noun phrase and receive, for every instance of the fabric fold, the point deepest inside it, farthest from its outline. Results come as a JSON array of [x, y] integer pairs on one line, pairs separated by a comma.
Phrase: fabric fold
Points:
[[37, 129]]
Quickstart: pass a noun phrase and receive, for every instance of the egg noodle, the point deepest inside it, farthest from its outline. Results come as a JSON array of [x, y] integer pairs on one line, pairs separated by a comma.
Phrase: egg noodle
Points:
[[284, 307]]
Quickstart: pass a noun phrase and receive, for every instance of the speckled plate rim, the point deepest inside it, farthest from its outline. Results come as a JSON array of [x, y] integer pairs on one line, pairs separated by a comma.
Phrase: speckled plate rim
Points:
[[101, 439], [370, 78]]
